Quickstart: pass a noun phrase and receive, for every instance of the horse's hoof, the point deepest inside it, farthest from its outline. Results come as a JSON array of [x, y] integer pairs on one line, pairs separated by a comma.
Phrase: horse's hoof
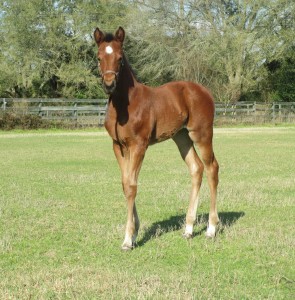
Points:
[[211, 232], [127, 247], [187, 235], [209, 235]]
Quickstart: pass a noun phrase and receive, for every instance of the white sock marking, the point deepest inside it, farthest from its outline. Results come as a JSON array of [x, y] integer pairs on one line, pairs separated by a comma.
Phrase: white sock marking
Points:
[[211, 230], [189, 229]]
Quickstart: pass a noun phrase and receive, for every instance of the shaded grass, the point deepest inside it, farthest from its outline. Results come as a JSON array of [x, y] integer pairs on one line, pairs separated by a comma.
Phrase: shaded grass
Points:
[[62, 218]]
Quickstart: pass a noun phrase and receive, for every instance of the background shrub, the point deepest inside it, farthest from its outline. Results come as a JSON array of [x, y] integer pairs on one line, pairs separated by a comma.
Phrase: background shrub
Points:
[[10, 121]]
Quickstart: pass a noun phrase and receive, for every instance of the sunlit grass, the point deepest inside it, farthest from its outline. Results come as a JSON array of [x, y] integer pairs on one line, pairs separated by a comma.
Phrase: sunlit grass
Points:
[[62, 218]]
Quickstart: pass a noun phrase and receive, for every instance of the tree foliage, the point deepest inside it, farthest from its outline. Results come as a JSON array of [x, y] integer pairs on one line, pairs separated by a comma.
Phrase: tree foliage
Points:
[[222, 44], [231, 46], [47, 48]]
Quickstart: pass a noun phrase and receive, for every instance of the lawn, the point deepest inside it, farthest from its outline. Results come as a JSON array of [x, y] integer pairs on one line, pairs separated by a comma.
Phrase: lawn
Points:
[[62, 219]]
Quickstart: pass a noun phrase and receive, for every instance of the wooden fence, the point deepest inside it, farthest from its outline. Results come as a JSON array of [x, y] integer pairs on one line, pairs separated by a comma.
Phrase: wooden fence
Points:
[[80, 111], [255, 112], [91, 112]]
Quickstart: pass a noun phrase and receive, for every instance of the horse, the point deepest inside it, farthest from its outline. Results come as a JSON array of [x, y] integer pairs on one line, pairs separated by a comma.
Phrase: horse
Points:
[[139, 116]]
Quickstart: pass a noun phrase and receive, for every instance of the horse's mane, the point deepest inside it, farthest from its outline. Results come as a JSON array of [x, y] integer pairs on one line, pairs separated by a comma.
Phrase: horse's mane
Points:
[[126, 61]]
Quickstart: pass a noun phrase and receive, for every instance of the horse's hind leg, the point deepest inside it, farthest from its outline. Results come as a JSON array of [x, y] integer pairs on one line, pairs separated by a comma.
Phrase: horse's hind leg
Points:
[[204, 142], [189, 155]]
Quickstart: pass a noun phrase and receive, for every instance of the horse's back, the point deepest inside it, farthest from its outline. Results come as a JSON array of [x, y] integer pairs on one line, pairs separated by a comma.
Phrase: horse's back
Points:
[[185, 98], [180, 104]]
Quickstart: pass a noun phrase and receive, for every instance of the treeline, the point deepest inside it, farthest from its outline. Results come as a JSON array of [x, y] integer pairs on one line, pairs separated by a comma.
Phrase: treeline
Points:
[[240, 49]]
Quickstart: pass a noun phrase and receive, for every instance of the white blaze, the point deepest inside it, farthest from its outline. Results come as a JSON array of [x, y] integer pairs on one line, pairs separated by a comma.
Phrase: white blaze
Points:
[[109, 50]]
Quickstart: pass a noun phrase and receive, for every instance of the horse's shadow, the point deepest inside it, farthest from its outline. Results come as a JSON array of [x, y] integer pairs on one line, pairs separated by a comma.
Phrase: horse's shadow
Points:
[[174, 223]]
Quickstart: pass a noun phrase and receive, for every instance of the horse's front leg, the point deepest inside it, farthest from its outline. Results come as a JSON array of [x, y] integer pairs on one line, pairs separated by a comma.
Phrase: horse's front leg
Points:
[[130, 161]]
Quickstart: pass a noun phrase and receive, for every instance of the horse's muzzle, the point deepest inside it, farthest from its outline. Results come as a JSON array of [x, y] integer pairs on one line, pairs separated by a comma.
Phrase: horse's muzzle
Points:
[[109, 79], [109, 88]]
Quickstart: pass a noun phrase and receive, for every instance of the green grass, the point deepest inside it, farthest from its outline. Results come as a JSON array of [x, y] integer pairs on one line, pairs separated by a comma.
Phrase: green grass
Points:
[[62, 219]]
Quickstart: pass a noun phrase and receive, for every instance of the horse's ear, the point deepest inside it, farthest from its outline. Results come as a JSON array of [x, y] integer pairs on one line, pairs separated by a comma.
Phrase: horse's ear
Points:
[[98, 36], [120, 35]]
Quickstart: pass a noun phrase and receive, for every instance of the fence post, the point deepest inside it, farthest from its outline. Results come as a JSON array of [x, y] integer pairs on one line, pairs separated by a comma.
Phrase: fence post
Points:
[[75, 112], [254, 111], [273, 111], [40, 105], [234, 112]]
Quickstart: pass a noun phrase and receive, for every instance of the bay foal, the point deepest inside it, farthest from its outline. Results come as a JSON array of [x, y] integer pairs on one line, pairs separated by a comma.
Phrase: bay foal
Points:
[[139, 116]]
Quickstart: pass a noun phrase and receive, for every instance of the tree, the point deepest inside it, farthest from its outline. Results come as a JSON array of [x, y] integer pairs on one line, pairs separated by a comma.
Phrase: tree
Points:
[[222, 44], [47, 48], [279, 84]]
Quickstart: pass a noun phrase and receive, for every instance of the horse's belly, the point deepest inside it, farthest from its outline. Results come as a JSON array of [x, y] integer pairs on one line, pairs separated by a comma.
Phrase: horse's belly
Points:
[[165, 129]]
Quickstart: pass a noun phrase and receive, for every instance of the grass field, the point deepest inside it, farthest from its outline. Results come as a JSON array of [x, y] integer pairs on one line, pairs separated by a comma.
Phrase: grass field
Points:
[[62, 219]]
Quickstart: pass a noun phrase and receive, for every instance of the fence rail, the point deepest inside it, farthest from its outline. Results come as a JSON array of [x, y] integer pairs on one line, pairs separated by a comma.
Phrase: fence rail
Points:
[[256, 112], [81, 111], [92, 111]]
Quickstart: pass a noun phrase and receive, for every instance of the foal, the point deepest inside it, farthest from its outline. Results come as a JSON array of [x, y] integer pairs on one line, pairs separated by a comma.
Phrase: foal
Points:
[[139, 116]]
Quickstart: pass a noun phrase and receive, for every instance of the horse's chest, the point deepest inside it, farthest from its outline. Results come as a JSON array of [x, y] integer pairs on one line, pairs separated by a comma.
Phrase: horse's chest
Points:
[[117, 127]]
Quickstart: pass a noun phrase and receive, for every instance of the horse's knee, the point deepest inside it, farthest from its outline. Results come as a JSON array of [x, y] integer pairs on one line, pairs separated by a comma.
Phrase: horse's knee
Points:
[[130, 191], [129, 188], [197, 169], [212, 166]]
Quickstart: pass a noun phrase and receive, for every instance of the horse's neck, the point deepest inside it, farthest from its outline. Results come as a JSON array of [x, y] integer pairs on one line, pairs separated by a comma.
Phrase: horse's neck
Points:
[[120, 99], [126, 83]]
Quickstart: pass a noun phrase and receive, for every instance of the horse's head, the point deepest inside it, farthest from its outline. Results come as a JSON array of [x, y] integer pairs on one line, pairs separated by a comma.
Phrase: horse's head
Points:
[[110, 57]]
